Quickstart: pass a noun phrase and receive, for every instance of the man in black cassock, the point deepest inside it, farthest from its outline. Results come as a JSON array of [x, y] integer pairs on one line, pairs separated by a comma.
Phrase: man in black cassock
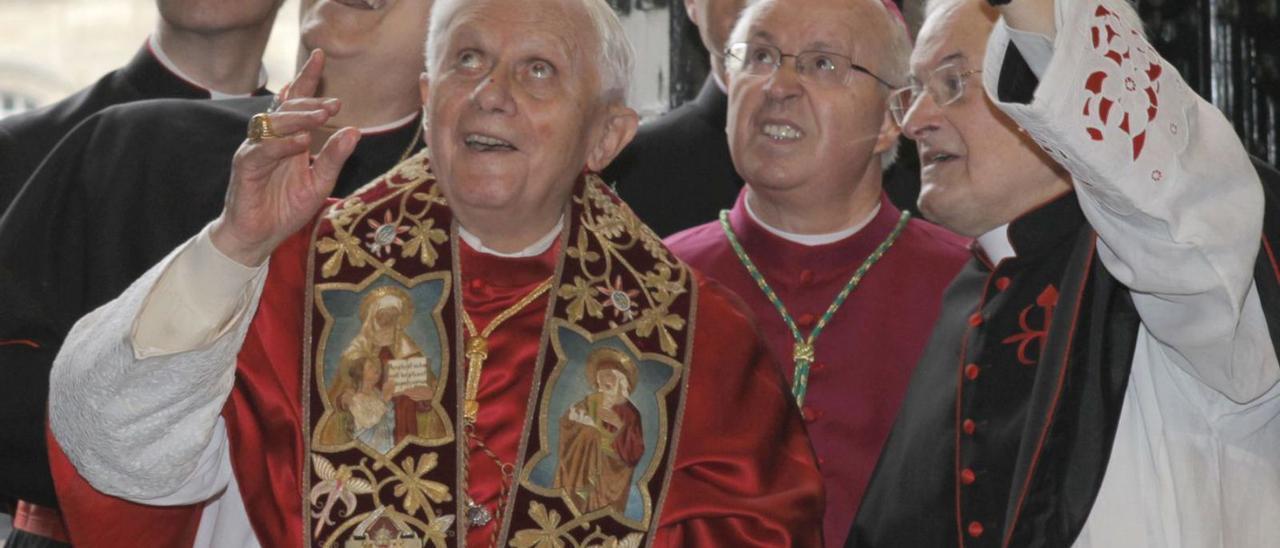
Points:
[[133, 181], [198, 50], [1104, 370], [676, 173]]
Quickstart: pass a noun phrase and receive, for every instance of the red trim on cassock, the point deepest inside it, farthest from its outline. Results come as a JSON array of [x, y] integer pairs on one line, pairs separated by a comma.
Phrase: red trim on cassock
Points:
[[1057, 395]]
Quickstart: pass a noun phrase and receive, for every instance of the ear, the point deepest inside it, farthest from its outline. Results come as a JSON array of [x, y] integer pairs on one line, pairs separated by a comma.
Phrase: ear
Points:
[[889, 132], [691, 8], [619, 127]]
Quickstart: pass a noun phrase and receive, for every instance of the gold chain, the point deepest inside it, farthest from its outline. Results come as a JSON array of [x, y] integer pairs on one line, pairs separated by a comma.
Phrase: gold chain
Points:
[[478, 345], [477, 352]]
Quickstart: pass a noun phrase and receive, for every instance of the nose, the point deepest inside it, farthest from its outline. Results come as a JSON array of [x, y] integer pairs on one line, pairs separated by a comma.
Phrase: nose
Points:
[[493, 93], [784, 83], [922, 117]]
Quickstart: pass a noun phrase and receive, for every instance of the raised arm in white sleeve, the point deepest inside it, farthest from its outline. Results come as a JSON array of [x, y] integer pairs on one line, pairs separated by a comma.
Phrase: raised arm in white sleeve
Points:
[[1162, 178], [138, 387]]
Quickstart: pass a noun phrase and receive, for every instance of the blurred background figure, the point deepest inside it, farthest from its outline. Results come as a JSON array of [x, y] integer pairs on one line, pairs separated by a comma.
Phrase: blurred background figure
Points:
[[197, 49]]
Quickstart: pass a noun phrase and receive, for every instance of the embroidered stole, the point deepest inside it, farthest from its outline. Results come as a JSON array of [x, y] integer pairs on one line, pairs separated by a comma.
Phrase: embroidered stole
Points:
[[384, 373]]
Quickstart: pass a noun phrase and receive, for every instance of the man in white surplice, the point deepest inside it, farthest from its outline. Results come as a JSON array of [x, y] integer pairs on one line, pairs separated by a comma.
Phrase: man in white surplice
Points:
[[1135, 404]]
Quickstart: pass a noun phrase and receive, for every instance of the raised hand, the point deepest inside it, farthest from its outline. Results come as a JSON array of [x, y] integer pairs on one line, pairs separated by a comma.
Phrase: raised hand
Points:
[[276, 186]]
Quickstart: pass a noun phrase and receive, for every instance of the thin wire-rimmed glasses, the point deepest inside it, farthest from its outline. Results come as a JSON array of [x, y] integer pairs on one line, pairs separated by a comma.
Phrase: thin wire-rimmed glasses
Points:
[[945, 85], [820, 66]]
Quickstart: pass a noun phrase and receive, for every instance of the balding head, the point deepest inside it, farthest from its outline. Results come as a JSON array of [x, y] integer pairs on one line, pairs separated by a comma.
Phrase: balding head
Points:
[[521, 96], [790, 129], [977, 170]]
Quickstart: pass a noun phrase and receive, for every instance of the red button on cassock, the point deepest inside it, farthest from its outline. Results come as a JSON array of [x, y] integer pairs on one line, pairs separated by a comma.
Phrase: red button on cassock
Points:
[[806, 277], [968, 426], [967, 477], [975, 529], [805, 321], [477, 284], [972, 371], [975, 319], [1002, 283]]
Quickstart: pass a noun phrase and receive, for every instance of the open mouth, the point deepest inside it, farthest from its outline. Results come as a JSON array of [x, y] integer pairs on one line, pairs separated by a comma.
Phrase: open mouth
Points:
[[369, 5], [781, 132], [485, 143]]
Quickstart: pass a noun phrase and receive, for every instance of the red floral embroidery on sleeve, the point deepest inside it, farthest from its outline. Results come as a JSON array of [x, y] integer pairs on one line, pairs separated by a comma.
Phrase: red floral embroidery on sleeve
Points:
[[1125, 97]]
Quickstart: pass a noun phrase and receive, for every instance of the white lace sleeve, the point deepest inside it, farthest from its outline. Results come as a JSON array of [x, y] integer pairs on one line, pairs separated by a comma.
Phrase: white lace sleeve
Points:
[[148, 428], [1162, 178]]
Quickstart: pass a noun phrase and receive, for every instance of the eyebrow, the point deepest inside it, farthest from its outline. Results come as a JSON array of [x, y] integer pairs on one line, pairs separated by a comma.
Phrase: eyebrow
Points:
[[953, 57]]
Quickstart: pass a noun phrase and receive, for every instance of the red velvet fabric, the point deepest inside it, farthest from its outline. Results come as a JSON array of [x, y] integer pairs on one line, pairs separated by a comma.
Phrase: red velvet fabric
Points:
[[491, 285], [90, 516], [866, 354], [744, 474]]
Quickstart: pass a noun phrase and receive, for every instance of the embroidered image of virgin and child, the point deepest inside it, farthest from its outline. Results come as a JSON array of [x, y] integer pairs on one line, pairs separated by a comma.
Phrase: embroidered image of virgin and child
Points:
[[384, 386], [601, 437]]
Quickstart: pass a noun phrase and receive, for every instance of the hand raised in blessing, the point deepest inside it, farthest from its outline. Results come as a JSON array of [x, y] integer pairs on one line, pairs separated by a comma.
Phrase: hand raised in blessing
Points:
[[276, 185]]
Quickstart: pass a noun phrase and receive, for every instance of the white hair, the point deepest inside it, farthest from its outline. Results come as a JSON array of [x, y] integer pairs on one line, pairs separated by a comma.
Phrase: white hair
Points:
[[895, 65], [615, 55]]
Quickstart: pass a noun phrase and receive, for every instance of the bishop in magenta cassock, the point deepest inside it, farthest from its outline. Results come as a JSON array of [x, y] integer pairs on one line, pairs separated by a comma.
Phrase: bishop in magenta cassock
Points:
[[202, 395], [843, 284]]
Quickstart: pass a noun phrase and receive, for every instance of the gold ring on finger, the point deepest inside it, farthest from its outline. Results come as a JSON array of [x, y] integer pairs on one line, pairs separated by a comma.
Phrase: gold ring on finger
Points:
[[260, 128]]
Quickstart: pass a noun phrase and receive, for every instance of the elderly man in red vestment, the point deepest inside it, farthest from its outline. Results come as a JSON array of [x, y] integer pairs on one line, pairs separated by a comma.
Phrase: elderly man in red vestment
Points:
[[201, 388], [844, 285]]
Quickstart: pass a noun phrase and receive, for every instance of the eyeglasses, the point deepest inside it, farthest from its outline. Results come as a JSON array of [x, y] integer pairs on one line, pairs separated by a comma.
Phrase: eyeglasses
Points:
[[945, 85], [819, 66]]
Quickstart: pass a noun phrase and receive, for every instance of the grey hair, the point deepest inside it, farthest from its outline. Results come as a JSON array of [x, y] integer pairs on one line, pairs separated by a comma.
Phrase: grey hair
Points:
[[895, 68], [616, 56]]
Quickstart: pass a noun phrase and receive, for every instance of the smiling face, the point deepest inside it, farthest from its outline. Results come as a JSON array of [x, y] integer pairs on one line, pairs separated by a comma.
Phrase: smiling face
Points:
[[516, 110], [787, 132], [977, 170]]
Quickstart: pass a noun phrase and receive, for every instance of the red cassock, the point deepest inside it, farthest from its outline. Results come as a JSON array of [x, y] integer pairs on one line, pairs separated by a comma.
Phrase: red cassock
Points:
[[865, 354], [744, 474]]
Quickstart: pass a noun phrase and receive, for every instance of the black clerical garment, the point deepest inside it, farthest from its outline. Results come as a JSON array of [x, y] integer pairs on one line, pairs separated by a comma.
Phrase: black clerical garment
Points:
[[1010, 422], [1038, 344], [120, 192], [26, 138], [677, 173]]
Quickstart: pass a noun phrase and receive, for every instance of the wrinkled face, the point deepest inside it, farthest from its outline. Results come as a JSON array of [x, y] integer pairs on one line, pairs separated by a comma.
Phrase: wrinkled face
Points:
[[515, 110], [786, 130], [714, 19], [390, 31], [977, 171], [217, 15]]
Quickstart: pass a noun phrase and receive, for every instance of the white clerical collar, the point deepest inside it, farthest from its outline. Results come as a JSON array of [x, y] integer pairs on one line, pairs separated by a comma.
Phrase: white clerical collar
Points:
[[811, 239], [169, 65], [536, 248], [995, 243], [392, 125]]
